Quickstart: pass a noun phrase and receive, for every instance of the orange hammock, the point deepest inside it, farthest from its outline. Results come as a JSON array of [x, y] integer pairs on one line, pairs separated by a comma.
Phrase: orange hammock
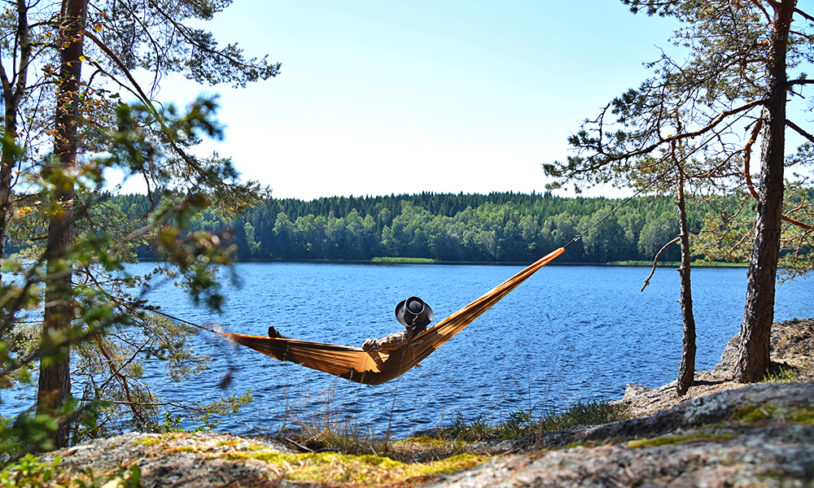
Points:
[[357, 365]]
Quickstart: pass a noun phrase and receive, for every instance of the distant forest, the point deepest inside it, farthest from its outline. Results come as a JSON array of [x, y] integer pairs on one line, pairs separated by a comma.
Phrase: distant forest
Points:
[[498, 227]]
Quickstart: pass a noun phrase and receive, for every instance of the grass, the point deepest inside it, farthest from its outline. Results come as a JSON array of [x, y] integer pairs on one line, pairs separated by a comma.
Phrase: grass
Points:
[[338, 451], [325, 428], [328, 429], [779, 373], [583, 413], [397, 260], [675, 264], [523, 423]]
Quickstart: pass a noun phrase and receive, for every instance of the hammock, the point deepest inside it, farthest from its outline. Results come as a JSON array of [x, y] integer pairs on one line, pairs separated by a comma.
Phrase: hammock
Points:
[[354, 364]]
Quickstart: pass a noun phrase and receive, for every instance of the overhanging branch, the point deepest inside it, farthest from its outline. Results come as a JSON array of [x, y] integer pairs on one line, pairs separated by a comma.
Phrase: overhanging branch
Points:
[[800, 130], [801, 81], [656, 260], [146, 100], [689, 135], [803, 14]]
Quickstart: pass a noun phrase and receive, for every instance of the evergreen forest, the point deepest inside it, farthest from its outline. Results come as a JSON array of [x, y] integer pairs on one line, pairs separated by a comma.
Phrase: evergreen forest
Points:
[[498, 227]]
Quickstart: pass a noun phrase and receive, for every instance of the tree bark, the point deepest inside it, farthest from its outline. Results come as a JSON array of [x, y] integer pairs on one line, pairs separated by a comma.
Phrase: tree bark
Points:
[[13, 90], [753, 352], [55, 377], [686, 371]]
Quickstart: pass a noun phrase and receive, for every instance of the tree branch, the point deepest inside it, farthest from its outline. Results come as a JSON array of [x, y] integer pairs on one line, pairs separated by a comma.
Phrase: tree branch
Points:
[[747, 154], [656, 260], [800, 130], [688, 135], [801, 81], [760, 7], [803, 14], [183, 30], [747, 157], [146, 100]]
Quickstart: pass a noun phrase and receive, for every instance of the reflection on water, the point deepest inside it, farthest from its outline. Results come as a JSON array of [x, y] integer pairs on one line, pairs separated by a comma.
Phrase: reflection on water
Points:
[[568, 333]]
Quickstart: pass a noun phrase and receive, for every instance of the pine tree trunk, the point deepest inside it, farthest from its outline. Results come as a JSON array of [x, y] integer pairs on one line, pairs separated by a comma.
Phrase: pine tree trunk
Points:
[[686, 371], [12, 95], [753, 353], [55, 377], [8, 161]]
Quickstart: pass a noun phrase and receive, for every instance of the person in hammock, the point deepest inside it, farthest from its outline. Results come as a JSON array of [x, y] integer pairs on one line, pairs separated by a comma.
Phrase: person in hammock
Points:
[[414, 314]]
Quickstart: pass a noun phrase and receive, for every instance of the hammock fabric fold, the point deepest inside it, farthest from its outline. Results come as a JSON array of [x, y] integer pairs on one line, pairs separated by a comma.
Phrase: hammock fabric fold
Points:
[[357, 365]]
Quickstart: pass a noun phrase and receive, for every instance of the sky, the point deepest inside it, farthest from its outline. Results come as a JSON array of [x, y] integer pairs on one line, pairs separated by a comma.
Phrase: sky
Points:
[[388, 97]]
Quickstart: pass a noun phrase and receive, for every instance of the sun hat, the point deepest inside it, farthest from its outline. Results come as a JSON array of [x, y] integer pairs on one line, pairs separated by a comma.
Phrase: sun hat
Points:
[[413, 312]]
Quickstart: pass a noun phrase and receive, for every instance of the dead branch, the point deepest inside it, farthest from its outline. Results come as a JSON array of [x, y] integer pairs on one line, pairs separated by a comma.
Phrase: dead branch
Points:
[[747, 157], [656, 260]]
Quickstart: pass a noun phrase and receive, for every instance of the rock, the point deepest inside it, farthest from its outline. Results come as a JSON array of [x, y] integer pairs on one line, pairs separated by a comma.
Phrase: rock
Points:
[[759, 435], [633, 391], [730, 354], [181, 460], [791, 343]]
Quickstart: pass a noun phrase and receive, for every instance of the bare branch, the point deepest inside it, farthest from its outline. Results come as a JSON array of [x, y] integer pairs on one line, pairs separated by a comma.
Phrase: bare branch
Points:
[[656, 260], [803, 14], [760, 7], [689, 135], [800, 130], [747, 156], [747, 153], [801, 81], [738, 244]]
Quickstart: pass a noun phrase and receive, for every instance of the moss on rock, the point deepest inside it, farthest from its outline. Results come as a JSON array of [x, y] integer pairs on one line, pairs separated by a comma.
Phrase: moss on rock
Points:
[[361, 470], [679, 439]]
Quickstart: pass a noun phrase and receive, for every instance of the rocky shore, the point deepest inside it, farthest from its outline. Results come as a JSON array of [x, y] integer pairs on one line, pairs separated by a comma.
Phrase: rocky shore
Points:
[[720, 434]]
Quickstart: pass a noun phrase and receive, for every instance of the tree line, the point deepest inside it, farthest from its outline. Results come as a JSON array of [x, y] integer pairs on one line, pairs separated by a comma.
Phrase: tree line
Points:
[[498, 227]]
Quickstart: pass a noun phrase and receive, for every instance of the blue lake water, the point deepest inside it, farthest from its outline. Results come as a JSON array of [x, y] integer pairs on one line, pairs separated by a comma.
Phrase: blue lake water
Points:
[[569, 333]]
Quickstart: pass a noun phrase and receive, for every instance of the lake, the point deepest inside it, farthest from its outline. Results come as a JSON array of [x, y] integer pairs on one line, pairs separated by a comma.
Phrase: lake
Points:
[[569, 333]]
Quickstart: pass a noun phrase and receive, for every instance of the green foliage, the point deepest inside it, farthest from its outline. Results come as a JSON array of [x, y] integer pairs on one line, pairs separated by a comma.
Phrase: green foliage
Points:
[[31, 471], [582, 413], [523, 423], [25, 433], [65, 276], [505, 227], [392, 260], [780, 375], [688, 123], [113, 329], [497, 227]]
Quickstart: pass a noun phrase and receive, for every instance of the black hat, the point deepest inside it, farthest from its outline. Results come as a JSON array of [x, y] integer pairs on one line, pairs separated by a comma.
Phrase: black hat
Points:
[[413, 312]]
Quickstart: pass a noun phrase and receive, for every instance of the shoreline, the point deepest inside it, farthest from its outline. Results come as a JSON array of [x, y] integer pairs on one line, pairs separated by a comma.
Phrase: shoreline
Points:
[[423, 262], [792, 346]]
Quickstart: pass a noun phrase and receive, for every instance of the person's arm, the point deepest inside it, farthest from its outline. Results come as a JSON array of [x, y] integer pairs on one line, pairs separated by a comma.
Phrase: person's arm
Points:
[[391, 342]]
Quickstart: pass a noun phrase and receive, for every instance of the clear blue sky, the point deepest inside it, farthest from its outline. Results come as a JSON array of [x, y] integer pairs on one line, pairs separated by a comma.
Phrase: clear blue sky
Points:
[[384, 96]]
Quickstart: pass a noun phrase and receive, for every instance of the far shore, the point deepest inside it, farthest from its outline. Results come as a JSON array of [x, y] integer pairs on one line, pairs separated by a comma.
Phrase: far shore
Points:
[[429, 261]]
